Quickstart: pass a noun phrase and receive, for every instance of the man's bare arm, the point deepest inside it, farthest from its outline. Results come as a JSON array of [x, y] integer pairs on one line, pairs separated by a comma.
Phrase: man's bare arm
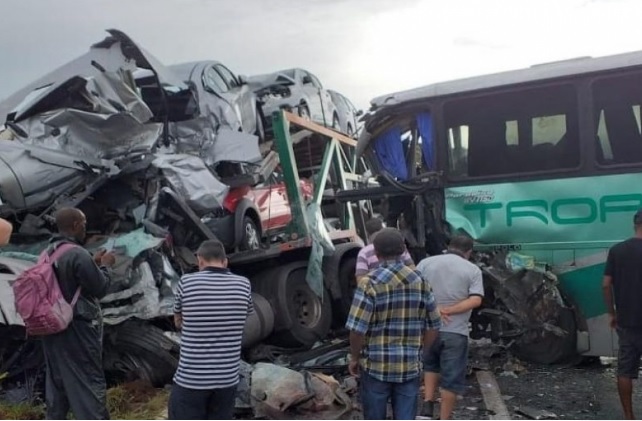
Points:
[[5, 231], [469, 303], [178, 320]]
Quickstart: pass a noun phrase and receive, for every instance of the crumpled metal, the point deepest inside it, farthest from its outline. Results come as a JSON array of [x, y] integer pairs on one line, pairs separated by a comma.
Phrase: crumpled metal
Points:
[[192, 180]]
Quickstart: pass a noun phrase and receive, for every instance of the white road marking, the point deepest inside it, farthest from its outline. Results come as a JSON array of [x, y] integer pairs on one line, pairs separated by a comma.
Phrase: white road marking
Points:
[[492, 396]]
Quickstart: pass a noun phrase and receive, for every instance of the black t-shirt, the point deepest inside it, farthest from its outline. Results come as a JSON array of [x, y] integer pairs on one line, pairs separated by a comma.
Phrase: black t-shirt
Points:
[[624, 265]]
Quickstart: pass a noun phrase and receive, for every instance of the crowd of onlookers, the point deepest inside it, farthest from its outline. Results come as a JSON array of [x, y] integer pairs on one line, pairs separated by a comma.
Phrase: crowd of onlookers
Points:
[[408, 324]]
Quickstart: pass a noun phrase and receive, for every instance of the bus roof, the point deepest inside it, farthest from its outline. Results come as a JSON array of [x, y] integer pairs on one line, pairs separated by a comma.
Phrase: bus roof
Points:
[[559, 69]]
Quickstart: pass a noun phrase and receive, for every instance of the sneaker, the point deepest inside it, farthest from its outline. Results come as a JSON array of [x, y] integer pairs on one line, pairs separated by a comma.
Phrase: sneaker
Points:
[[427, 411]]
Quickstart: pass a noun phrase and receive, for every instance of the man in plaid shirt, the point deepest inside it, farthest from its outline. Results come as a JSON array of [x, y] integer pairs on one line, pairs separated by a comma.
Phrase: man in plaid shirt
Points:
[[393, 316]]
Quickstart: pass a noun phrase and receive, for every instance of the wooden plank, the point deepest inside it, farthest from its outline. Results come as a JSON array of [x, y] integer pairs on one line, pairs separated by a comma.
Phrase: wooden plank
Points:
[[492, 396], [301, 122]]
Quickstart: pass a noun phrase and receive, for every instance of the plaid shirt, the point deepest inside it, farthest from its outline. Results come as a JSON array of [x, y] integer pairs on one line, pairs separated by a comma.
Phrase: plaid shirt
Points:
[[393, 307]]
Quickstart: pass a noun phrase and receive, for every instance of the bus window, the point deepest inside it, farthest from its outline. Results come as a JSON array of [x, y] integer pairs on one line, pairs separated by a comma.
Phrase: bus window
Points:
[[510, 133], [617, 103]]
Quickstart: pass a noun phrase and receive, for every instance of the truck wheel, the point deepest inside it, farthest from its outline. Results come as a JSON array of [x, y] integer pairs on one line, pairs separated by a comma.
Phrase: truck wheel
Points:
[[138, 350], [301, 318], [251, 237]]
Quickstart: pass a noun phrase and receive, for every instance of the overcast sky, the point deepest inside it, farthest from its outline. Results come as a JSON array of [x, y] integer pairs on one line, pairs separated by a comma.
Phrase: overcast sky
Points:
[[363, 48]]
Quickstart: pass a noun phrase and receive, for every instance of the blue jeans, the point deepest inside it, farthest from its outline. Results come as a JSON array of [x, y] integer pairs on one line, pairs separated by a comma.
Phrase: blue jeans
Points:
[[448, 356], [375, 395]]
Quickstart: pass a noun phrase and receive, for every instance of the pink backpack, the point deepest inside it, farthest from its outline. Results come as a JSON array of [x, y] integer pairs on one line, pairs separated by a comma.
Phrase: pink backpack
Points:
[[38, 298]]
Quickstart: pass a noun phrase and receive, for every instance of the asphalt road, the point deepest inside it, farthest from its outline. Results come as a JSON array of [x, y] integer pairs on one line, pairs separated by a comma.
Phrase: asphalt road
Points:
[[567, 392]]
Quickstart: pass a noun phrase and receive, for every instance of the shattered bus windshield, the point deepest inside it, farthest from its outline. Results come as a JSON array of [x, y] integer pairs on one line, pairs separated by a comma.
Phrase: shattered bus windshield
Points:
[[541, 167]]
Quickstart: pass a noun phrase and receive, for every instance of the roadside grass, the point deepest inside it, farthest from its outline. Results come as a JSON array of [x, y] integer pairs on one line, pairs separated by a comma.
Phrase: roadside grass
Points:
[[129, 401]]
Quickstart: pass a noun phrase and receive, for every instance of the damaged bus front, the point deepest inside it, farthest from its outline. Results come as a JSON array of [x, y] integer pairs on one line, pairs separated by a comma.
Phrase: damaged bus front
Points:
[[541, 167]]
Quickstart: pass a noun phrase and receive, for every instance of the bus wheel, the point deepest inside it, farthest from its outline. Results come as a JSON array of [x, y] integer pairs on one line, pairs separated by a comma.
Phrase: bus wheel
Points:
[[301, 318]]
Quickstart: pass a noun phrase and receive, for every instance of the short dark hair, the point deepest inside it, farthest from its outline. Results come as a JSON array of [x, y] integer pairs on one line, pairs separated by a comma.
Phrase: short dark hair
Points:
[[389, 243], [66, 218], [374, 225], [210, 250], [637, 218], [461, 243]]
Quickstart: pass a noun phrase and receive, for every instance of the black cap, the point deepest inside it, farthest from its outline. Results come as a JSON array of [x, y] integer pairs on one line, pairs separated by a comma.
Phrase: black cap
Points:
[[637, 219]]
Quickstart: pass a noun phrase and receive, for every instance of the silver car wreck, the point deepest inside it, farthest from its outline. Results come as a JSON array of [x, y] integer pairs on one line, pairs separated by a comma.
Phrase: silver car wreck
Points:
[[131, 143]]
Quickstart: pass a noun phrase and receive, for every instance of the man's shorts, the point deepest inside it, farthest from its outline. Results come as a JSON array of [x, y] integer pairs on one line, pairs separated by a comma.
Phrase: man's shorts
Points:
[[448, 356], [630, 352]]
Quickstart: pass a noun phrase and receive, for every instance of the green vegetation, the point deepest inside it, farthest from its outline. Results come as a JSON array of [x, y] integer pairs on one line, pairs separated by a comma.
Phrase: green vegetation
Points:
[[130, 401]]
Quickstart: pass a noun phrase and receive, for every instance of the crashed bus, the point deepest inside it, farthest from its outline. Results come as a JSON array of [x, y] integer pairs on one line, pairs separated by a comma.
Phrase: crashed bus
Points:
[[541, 167]]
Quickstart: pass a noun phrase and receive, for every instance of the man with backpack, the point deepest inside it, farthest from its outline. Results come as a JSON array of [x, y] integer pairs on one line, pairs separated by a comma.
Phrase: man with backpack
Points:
[[75, 377]]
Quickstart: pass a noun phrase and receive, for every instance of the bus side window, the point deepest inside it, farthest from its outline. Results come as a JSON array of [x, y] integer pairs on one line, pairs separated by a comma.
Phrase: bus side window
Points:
[[617, 112]]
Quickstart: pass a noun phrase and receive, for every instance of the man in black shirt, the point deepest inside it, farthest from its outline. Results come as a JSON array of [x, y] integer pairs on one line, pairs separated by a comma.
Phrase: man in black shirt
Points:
[[622, 292]]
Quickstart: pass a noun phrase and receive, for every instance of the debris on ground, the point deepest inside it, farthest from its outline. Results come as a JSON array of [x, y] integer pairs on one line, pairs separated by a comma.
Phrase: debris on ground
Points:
[[536, 414], [282, 393]]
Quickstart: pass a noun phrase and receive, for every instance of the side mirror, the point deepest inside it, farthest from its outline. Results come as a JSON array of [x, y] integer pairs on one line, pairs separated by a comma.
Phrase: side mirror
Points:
[[243, 80], [307, 80], [358, 113]]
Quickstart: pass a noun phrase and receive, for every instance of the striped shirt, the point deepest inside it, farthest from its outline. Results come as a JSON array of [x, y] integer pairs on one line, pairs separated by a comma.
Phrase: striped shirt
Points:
[[367, 260], [393, 307], [214, 304]]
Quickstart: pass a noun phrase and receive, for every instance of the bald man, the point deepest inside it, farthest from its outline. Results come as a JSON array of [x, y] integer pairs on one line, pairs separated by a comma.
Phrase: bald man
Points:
[[5, 232], [75, 377]]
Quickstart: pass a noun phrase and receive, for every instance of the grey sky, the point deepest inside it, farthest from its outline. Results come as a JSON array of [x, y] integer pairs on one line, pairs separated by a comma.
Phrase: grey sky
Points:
[[363, 48]]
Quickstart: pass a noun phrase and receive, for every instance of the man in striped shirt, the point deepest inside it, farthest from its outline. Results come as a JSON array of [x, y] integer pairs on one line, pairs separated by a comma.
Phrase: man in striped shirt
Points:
[[393, 315], [367, 259], [210, 308]]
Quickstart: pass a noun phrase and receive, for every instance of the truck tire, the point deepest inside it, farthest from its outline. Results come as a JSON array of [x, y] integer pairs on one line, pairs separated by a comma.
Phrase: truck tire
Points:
[[260, 323], [301, 318], [137, 350]]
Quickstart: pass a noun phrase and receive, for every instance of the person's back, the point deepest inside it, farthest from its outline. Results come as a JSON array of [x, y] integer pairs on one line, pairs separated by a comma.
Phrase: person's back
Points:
[[451, 278], [210, 308], [458, 287], [393, 315], [625, 267], [399, 310], [214, 306]]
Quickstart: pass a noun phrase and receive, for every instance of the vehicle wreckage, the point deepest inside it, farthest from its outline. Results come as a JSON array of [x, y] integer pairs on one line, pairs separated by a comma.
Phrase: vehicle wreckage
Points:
[[151, 164], [154, 163]]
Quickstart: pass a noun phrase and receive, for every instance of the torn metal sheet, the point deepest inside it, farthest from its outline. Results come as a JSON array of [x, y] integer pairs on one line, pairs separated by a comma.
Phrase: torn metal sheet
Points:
[[524, 308], [192, 179], [117, 54]]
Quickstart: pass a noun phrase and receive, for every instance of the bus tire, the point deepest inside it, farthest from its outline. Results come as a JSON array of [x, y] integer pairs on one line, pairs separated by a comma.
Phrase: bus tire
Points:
[[301, 318]]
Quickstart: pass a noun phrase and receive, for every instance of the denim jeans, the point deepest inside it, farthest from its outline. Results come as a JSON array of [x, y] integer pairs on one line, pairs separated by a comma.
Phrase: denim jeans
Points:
[[448, 357], [375, 395]]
